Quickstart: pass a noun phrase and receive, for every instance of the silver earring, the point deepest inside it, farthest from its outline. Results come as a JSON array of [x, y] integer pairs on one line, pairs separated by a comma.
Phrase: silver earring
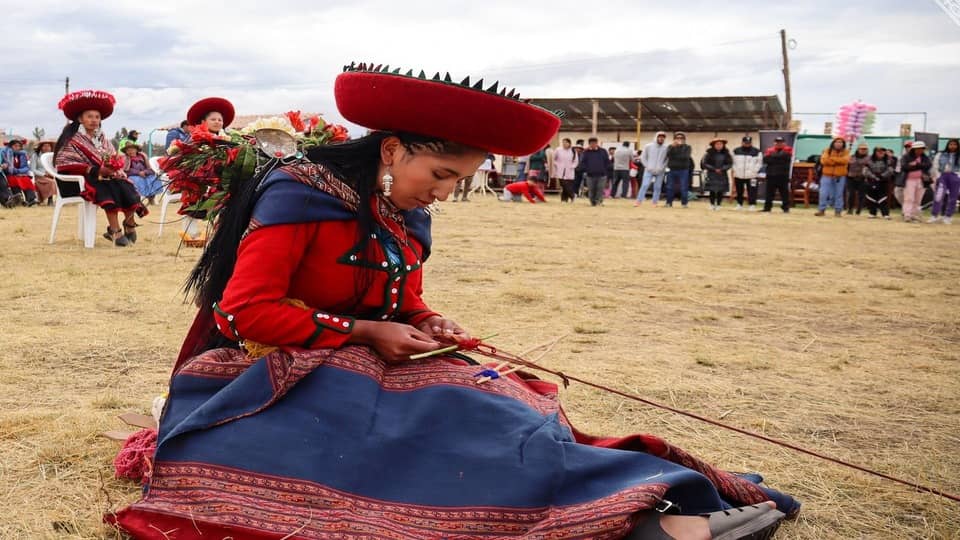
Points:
[[387, 180]]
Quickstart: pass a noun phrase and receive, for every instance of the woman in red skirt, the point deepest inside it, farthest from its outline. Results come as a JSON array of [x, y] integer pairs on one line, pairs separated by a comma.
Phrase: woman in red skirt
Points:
[[83, 149]]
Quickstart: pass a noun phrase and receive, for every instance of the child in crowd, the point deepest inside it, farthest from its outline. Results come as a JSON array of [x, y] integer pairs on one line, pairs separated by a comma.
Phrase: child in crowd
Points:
[[526, 188]]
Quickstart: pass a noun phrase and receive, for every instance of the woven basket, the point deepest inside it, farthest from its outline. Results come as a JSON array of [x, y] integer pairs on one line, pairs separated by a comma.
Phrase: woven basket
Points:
[[195, 243]]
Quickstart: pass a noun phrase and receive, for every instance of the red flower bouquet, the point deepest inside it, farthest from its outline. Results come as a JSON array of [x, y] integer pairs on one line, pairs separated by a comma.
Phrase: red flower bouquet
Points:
[[115, 162], [296, 121], [203, 168], [337, 132], [199, 134]]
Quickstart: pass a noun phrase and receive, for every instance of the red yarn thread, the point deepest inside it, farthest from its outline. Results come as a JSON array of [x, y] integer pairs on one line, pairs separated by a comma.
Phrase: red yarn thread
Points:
[[469, 344], [135, 459], [508, 357]]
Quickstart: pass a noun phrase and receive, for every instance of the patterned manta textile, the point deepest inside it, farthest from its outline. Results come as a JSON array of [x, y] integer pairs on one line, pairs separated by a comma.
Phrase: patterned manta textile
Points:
[[335, 443]]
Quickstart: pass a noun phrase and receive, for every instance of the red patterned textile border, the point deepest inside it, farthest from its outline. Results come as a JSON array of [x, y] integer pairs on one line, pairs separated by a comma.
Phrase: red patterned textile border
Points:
[[217, 364], [288, 367], [729, 485], [221, 496], [318, 176]]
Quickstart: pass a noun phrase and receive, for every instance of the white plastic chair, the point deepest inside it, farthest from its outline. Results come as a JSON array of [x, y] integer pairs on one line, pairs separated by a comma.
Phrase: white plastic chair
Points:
[[167, 197], [87, 212], [481, 184]]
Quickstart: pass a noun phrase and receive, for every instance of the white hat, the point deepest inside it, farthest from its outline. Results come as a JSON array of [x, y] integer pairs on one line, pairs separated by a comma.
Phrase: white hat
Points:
[[919, 144]]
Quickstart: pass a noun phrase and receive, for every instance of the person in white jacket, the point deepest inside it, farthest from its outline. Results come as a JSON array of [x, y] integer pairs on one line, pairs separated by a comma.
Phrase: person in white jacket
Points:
[[747, 161], [654, 160]]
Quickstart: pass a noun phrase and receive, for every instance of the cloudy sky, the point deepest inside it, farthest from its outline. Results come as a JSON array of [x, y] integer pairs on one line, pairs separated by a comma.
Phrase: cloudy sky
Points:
[[271, 56]]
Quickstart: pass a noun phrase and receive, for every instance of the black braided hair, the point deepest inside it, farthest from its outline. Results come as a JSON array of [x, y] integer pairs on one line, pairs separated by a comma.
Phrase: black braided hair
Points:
[[68, 132]]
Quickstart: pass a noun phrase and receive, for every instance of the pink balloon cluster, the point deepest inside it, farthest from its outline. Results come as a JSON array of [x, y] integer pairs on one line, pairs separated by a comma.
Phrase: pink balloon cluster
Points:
[[855, 119]]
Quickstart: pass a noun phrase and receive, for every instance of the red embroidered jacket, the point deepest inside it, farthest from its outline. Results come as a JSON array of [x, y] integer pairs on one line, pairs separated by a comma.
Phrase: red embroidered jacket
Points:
[[318, 264]]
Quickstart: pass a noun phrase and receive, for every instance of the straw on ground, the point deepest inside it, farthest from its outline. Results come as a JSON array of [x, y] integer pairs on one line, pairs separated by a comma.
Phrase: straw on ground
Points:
[[836, 334]]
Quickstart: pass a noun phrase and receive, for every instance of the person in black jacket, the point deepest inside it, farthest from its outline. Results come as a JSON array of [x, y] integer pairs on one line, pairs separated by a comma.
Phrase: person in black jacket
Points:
[[877, 174], [594, 162], [777, 158], [679, 162], [578, 171], [715, 163]]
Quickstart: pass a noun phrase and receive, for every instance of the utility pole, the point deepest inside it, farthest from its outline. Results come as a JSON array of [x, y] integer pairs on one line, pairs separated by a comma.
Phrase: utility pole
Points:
[[786, 78], [66, 86]]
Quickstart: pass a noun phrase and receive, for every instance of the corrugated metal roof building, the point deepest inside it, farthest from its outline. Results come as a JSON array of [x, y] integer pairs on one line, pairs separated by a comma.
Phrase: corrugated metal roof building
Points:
[[637, 119], [694, 114]]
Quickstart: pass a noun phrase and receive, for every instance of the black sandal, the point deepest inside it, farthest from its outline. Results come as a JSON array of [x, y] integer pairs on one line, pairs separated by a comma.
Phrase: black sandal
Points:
[[754, 522], [115, 237], [130, 231], [649, 529]]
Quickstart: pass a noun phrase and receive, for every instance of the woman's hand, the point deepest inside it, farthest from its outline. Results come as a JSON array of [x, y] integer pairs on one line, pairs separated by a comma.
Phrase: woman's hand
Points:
[[443, 329], [394, 342]]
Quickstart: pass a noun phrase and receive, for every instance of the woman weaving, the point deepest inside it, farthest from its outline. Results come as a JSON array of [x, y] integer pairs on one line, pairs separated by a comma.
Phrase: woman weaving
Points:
[[294, 408]]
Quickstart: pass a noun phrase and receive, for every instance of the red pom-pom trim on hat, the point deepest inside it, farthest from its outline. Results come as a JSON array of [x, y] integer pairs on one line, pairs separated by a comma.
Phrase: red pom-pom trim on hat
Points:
[[75, 103]]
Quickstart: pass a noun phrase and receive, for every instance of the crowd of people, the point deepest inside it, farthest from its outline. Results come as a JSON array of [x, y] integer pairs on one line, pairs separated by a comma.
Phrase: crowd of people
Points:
[[120, 180], [847, 182], [25, 182]]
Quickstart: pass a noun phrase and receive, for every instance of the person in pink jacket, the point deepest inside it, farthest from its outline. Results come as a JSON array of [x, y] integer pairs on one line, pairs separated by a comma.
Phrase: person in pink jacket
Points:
[[916, 168], [564, 169]]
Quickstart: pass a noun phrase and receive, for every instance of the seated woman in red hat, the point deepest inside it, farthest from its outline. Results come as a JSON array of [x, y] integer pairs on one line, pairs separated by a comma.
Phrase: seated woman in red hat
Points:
[[83, 149], [295, 409], [212, 114], [16, 165]]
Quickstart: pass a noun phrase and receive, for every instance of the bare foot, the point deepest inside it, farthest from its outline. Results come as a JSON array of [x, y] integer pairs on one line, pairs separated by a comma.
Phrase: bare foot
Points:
[[686, 527]]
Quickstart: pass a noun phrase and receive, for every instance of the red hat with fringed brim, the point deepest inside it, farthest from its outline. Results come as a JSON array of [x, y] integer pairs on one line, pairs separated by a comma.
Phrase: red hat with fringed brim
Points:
[[199, 110], [74, 103], [498, 122]]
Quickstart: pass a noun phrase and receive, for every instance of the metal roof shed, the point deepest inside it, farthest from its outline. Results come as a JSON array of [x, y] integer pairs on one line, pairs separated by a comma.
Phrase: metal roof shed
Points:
[[714, 114]]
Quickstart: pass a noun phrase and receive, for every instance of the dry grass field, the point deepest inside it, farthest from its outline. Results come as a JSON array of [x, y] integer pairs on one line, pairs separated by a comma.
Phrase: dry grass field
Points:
[[840, 335]]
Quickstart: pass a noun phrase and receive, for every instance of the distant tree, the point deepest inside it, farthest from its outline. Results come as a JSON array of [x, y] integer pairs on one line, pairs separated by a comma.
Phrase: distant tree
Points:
[[38, 133]]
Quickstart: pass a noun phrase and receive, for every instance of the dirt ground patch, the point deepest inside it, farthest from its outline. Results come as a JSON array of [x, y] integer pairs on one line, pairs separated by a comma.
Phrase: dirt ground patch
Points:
[[836, 334]]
